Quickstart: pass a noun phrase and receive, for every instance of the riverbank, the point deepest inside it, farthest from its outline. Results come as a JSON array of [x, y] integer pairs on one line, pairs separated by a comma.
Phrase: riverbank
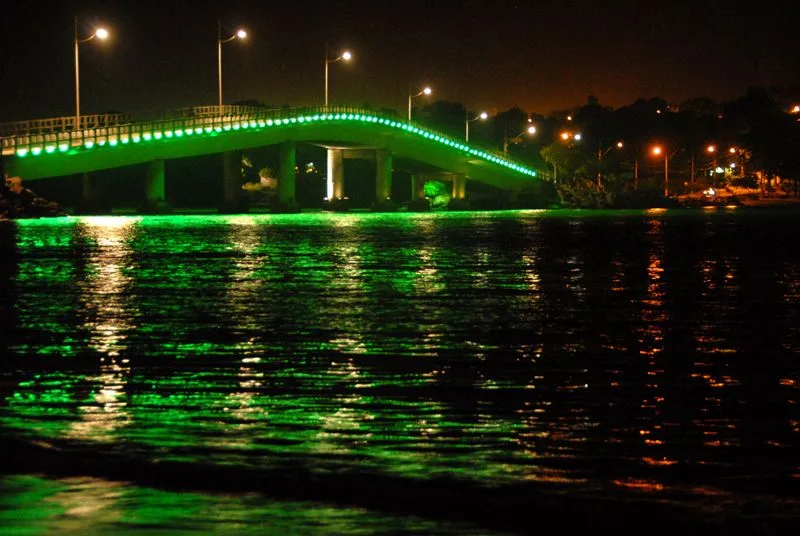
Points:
[[745, 199]]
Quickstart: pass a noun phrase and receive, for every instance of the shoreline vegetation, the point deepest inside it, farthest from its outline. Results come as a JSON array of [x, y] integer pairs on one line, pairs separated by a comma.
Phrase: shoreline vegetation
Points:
[[18, 202]]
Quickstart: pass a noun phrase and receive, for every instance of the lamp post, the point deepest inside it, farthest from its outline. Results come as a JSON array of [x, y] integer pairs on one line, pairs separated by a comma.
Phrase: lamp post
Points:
[[424, 91], [739, 154], [657, 151], [100, 33], [515, 139], [240, 34], [482, 116], [346, 56], [600, 154], [712, 149]]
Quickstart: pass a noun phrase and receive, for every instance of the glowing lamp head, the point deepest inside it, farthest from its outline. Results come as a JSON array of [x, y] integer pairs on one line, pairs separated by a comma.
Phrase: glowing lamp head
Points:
[[346, 56], [577, 137], [620, 145], [711, 148], [796, 109], [565, 135], [101, 33], [427, 91], [241, 34], [531, 130], [657, 150], [569, 118], [732, 150], [483, 115]]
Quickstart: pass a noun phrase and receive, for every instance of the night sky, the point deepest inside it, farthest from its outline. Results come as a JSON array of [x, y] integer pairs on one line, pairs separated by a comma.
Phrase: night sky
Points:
[[541, 56]]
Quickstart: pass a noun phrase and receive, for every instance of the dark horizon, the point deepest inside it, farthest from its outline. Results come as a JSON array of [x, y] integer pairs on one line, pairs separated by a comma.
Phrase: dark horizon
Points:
[[485, 55]]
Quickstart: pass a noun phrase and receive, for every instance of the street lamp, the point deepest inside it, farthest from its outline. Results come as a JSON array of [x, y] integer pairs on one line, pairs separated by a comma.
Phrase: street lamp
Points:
[[239, 34], [424, 91], [516, 139], [600, 154], [346, 56], [712, 149], [482, 116], [658, 151], [100, 33]]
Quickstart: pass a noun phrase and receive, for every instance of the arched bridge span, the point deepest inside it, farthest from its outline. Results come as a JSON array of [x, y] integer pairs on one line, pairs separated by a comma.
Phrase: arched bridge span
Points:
[[51, 148]]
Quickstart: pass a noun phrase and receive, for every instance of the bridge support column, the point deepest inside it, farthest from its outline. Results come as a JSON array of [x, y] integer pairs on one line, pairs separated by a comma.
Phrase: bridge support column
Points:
[[417, 186], [231, 182], [286, 178], [89, 190], [335, 186], [92, 201], [459, 199], [335, 199], [154, 188], [383, 179], [459, 187]]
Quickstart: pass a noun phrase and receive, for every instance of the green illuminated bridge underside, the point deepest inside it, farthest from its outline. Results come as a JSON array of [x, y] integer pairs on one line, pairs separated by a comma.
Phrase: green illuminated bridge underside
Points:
[[51, 152]]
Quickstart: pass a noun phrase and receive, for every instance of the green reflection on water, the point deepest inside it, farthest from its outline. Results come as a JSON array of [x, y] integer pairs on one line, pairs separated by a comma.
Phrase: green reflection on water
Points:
[[365, 341], [35, 505]]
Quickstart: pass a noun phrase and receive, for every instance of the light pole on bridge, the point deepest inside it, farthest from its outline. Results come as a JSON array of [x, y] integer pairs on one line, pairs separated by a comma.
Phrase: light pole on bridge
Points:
[[482, 116], [346, 56], [240, 34], [531, 130], [100, 33], [424, 91]]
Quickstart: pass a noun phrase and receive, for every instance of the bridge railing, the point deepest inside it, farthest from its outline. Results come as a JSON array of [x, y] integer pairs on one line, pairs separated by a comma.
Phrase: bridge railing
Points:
[[59, 134], [59, 124]]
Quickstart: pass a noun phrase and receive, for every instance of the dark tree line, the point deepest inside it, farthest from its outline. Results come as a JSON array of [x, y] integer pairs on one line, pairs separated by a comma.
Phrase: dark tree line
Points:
[[596, 155]]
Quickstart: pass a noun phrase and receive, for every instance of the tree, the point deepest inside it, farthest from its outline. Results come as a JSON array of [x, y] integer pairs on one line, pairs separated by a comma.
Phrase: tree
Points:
[[444, 116]]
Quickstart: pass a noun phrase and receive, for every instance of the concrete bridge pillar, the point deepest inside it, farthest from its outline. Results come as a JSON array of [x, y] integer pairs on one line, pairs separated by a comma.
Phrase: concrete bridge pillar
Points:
[[286, 179], [231, 181], [459, 186], [89, 189], [383, 175], [335, 185], [154, 187], [417, 186], [92, 201]]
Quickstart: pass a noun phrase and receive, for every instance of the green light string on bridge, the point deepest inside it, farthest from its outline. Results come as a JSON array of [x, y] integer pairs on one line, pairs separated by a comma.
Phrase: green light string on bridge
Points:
[[269, 123]]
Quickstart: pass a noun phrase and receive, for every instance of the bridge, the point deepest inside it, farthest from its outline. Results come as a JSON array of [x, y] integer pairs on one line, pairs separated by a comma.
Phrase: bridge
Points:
[[58, 147]]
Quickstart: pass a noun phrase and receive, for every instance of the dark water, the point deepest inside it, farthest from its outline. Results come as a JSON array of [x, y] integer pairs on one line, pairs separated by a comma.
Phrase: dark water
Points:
[[454, 373]]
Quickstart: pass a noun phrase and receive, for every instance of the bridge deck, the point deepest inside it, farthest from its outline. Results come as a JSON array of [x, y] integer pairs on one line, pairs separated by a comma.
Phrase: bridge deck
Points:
[[48, 139]]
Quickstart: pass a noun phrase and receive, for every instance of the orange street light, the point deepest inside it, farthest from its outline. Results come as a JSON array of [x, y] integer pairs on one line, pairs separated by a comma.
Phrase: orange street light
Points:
[[657, 151]]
